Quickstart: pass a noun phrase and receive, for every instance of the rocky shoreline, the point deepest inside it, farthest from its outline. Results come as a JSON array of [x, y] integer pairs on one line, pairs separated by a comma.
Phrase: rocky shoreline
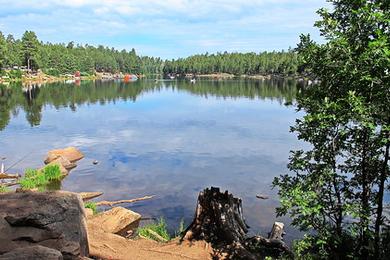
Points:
[[58, 225]]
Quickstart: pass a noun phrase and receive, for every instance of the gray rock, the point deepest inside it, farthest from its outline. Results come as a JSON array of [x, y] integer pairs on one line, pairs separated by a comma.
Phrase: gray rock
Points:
[[51, 219], [32, 253]]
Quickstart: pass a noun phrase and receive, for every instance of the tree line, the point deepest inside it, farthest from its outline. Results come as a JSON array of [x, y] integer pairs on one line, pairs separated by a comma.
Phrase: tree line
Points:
[[56, 59], [283, 63]]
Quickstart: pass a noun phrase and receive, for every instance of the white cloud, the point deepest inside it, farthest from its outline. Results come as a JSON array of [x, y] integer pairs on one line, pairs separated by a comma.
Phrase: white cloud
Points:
[[172, 27]]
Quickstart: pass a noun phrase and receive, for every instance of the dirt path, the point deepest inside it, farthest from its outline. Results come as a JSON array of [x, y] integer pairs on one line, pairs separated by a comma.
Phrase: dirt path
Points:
[[109, 246]]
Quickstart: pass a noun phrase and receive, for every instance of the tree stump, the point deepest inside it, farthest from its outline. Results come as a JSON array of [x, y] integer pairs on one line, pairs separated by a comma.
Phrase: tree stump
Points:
[[219, 221]]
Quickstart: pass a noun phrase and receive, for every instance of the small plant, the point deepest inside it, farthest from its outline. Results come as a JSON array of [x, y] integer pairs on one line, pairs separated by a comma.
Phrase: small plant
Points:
[[91, 205], [40, 178], [180, 229], [52, 173], [4, 189], [156, 231]]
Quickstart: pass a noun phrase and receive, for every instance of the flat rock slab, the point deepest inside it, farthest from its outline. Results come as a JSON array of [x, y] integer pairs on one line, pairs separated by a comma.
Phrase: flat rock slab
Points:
[[51, 219], [32, 252], [65, 162], [70, 153], [117, 220]]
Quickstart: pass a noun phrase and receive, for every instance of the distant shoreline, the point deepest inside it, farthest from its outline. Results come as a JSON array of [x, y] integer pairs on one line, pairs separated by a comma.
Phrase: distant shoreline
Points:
[[244, 76]]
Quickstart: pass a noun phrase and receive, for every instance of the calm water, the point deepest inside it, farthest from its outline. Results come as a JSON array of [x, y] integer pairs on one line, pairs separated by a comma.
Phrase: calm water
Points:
[[169, 138]]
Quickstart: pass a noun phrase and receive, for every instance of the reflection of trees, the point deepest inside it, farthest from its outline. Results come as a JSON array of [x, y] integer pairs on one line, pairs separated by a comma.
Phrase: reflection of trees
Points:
[[32, 108], [7, 103], [32, 99]]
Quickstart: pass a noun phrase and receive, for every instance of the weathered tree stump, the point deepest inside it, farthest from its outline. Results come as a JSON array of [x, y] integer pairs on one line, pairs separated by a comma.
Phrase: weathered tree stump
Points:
[[219, 220]]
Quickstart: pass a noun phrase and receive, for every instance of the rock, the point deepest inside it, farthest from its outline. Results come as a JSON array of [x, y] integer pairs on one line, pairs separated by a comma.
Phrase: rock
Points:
[[88, 212], [51, 219], [117, 220], [64, 162], [31, 253], [70, 153]]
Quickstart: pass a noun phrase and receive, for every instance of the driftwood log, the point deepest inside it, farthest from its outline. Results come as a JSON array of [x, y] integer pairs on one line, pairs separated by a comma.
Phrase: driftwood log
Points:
[[219, 221], [9, 176], [112, 203], [85, 196]]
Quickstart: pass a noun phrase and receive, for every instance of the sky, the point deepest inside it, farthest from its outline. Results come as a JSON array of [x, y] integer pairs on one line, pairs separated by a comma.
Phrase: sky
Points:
[[166, 29]]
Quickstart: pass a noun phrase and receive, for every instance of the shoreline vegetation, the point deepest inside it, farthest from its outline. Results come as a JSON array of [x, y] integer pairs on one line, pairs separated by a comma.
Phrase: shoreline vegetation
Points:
[[42, 78], [22, 59]]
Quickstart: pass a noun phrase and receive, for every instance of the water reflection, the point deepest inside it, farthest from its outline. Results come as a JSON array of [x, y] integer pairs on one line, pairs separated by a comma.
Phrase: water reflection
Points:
[[168, 138], [31, 98]]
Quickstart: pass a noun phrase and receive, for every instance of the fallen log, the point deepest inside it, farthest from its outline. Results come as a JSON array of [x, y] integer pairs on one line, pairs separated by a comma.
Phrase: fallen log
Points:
[[9, 176], [9, 184], [219, 220], [89, 195], [111, 203]]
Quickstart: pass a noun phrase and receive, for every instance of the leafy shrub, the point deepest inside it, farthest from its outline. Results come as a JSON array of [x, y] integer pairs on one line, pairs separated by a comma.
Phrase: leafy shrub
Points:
[[53, 72], [15, 74], [84, 74]]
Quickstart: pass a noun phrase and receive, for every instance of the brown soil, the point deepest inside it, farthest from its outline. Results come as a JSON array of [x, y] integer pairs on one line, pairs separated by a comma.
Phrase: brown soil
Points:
[[103, 245]]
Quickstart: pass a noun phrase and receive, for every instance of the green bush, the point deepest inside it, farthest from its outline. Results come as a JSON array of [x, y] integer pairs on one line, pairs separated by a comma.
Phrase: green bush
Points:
[[53, 72], [84, 74], [15, 74], [39, 179]]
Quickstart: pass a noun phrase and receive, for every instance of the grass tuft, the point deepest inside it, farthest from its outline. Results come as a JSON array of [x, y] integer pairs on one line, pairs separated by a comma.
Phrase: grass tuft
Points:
[[4, 189], [39, 179], [159, 228], [91, 205], [181, 228]]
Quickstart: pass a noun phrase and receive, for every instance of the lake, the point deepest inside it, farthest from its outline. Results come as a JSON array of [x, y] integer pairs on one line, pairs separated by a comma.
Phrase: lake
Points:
[[166, 138]]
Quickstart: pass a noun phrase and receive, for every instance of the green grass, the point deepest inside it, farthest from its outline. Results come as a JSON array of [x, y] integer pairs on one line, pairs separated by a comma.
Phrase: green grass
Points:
[[39, 179], [181, 228], [91, 205], [4, 189], [160, 228]]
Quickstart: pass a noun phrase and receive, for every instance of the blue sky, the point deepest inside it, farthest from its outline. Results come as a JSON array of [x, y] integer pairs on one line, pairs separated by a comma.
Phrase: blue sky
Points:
[[168, 29]]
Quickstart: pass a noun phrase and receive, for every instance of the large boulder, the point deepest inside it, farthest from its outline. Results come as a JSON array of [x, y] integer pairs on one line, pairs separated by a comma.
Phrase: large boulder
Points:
[[32, 253], [117, 220], [70, 153], [51, 219]]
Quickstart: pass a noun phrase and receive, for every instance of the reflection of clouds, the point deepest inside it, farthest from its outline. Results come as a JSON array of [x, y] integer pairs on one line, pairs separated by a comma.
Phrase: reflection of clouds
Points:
[[102, 138], [171, 143]]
